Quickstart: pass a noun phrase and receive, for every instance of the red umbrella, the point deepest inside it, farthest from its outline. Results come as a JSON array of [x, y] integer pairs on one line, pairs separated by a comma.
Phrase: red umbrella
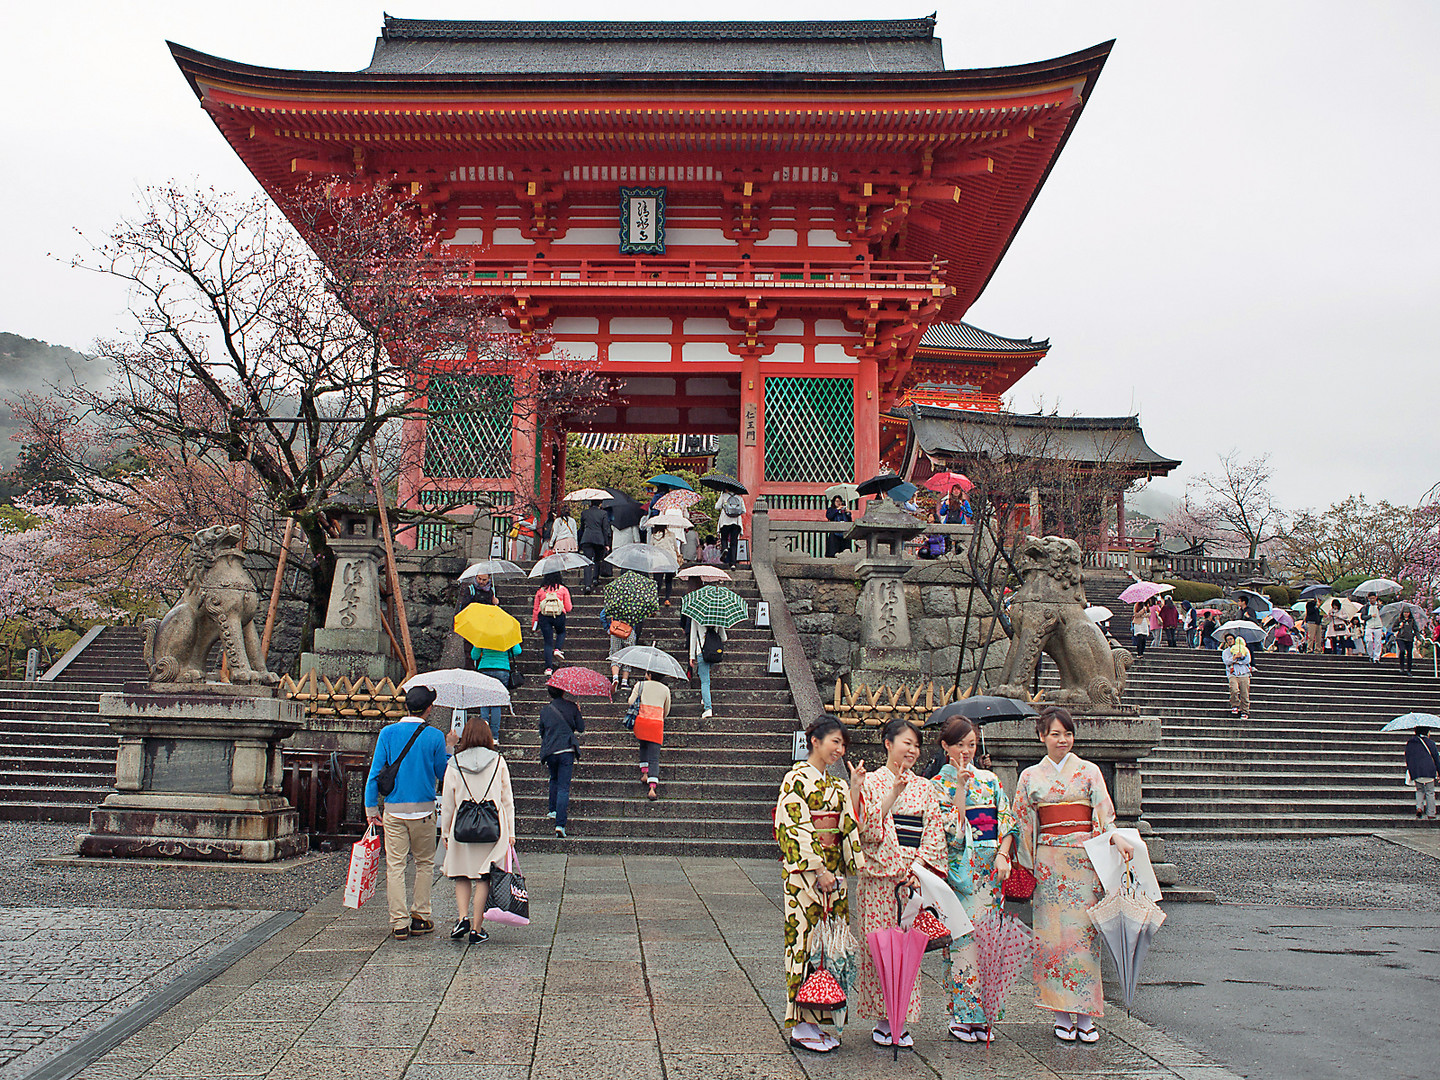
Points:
[[897, 954], [944, 481], [580, 680], [1003, 944]]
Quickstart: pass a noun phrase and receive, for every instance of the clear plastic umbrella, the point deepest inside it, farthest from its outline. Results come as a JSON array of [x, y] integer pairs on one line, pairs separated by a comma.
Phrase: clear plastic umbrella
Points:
[[649, 658], [1390, 614], [558, 563], [1380, 586], [492, 567], [643, 557]]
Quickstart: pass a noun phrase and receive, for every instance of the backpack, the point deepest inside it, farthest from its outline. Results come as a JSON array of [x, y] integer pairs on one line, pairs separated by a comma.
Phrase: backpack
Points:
[[734, 506], [551, 604], [712, 648]]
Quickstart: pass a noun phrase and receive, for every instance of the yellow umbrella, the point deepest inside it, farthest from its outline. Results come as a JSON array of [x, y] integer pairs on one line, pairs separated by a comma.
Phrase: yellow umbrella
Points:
[[488, 627]]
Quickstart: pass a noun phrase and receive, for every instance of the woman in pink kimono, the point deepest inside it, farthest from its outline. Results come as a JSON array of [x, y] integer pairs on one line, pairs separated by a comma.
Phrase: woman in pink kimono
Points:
[[901, 822], [1060, 803]]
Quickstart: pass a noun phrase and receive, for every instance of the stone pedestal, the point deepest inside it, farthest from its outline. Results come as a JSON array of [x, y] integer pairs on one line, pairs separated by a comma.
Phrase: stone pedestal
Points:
[[353, 642], [1115, 742], [887, 652], [197, 776]]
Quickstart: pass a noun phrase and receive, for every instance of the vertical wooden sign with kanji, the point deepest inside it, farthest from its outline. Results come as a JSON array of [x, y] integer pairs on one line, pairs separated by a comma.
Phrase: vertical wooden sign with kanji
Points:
[[642, 221]]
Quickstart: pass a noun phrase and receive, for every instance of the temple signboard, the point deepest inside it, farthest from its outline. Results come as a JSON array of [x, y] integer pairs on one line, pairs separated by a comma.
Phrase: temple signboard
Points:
[[642, 221]]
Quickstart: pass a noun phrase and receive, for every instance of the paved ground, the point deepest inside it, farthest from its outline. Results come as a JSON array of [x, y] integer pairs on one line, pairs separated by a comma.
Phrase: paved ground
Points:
[[65, 971], [638, 968]]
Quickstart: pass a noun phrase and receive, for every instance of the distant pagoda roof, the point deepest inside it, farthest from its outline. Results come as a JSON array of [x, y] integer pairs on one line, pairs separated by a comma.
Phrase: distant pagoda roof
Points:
[[962, 335], [458, 46], [1115, 441]]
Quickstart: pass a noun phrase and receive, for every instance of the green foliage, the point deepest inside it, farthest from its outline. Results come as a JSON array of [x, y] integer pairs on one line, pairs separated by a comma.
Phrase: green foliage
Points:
[[1194, 591], [1281, 595], [627, 469], [1346, 583]]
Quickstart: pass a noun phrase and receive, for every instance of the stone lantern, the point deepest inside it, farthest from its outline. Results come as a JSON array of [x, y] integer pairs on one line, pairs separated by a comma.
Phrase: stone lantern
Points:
[[886, 647], [353, 642]]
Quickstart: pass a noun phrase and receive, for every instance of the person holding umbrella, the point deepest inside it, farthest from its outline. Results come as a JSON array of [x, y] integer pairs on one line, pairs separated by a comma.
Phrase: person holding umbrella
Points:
[[552, 604], [901, 823], [1405, 633], [819, 841], [667, 540], [1374, 624], [629, 600], [711, 611], [595, 538], [835, 542], [1059, 804], [652, 697], [981, 838], [1422, 762], [496, 664], [1140, 627], [732, 519], [1313, 622], [560, 722], [1238, 663]]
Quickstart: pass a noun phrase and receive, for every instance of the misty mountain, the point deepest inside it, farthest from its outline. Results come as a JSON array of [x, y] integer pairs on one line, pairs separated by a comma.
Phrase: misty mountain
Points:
[[30, 366]]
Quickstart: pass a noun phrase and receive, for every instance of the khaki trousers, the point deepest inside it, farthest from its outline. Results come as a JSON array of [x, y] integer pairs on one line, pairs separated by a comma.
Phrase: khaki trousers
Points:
[[1312, 637], [405, 837], [1240, 693]]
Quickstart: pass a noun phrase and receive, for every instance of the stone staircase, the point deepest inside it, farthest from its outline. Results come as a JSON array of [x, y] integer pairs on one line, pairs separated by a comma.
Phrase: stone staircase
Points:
[[57, 759], [719, 777]]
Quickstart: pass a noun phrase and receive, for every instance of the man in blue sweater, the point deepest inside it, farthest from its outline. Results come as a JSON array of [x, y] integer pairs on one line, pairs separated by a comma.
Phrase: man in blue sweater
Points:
[[409, 820]]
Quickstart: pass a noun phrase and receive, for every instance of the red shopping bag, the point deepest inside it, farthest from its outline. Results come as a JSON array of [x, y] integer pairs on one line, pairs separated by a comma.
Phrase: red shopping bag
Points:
[[364, 868]]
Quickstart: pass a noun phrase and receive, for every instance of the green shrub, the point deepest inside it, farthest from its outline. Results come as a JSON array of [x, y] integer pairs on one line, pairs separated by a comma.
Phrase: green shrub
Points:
[[1281, 595], [1194, 591]]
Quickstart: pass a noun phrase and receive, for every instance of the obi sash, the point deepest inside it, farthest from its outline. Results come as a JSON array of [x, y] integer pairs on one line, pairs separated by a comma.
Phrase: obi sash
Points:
[[984, 822], [1065, 817], [826, 824], [908, 829]]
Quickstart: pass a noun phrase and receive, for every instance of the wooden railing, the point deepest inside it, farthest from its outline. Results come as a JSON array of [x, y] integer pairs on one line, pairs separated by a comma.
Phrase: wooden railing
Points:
[[317, 783], [660, 272], [808, 537]]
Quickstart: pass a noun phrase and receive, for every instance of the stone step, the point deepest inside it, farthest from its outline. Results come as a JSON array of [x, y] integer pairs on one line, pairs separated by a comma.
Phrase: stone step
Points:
[[583, 842], [642, 828], [42, 806]]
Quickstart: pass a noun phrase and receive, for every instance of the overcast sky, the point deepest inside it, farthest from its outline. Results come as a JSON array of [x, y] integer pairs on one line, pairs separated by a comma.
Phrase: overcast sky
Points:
[[1239, 243]]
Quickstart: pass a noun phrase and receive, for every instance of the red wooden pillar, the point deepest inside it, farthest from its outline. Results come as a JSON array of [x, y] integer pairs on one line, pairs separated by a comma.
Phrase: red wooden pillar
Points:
[[523, 436], [751, 465], [866, 407], [411, 480]]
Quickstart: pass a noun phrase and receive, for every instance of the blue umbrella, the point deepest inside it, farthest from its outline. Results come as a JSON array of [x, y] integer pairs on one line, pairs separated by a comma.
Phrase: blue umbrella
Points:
[[1411, 720], [664, 479], [901, 493]]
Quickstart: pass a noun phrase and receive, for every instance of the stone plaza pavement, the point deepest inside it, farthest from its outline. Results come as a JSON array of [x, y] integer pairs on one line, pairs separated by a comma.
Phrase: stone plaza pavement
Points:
[[641, 968]]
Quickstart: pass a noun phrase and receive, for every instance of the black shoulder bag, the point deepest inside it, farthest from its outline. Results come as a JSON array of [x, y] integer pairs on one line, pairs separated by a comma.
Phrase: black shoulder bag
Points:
[[385, 778], [477, 822]]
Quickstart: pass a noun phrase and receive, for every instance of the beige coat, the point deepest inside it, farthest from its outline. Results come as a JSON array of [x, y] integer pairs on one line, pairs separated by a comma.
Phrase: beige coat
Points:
[[479, 766]]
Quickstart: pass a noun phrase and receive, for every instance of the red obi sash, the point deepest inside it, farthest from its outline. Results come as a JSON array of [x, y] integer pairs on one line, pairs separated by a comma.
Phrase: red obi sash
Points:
[[827, 827], [1065, 817]]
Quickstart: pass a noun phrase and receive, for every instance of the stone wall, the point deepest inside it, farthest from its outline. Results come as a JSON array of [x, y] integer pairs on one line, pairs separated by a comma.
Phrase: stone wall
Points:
[[824, 597]]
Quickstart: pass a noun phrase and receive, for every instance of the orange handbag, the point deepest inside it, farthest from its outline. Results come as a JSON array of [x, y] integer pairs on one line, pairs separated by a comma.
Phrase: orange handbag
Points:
[[650, 724]]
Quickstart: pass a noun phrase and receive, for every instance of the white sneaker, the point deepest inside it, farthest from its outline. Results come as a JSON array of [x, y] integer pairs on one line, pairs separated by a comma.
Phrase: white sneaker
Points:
[[550, 814], [707, 714]]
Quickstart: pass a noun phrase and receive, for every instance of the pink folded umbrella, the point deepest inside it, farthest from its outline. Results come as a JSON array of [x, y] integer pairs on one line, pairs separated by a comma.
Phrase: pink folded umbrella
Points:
[[897, 954], [1141, 591], [1003, 943]]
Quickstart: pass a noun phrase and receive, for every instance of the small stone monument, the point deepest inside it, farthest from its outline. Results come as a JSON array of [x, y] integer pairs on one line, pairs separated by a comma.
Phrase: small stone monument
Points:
[[353, 643], [198, 770], [886, 646]]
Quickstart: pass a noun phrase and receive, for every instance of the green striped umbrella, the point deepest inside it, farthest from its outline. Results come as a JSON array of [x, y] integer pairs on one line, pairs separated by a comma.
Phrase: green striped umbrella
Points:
[[631, 597], [710, 605]]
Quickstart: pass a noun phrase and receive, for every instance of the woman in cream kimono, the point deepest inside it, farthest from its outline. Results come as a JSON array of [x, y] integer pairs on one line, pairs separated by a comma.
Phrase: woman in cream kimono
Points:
[[819, 844], [1060, 803]]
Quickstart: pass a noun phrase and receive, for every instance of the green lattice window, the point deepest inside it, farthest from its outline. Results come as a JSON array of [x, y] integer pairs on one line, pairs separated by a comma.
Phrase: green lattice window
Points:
[[809, 431], [468, 433]]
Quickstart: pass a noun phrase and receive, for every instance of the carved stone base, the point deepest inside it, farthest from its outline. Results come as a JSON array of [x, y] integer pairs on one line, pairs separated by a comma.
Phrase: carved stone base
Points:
[[197, 776]]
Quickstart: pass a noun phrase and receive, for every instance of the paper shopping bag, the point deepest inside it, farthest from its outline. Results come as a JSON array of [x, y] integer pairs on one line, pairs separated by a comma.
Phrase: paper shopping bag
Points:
[[509, 902], [364, 868]]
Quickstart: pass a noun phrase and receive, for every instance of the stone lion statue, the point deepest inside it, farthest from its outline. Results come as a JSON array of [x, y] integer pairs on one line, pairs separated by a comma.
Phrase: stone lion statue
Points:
[[1047, 614], [219, 601]]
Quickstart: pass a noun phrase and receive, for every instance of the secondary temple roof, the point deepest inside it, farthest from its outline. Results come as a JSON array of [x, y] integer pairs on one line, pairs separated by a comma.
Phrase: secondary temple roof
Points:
[[442, 46]]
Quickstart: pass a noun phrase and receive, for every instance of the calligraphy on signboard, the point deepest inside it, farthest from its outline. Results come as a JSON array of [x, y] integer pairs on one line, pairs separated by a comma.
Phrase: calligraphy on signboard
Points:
[[750, 424], [642, 221]]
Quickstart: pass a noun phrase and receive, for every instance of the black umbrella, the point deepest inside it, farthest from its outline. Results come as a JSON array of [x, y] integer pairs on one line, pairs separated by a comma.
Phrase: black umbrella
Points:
[[878, 485], [718, 481], [1313, 592], [625, 512], [982, 710]]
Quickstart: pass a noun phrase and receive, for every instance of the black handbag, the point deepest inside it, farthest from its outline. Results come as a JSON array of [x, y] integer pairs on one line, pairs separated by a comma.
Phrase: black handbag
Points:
[[477, 822]]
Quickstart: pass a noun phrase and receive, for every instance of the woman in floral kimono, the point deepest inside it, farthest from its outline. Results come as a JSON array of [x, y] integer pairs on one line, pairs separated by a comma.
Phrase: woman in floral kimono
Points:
[[981, 837], [1060, 803], [901, 822], [819, 844]]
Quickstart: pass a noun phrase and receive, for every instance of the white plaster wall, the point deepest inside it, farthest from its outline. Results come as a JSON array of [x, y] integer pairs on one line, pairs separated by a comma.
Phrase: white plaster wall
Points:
[[832, 354], [641, 326], [643, 352]]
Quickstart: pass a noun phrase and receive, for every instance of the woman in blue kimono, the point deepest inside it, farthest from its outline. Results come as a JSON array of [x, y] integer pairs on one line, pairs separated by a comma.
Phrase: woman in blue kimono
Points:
[[982, 838]]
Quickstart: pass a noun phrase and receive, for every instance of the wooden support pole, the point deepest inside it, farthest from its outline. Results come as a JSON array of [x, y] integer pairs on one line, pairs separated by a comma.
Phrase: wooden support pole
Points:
[[391, 569], [275, 588]]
